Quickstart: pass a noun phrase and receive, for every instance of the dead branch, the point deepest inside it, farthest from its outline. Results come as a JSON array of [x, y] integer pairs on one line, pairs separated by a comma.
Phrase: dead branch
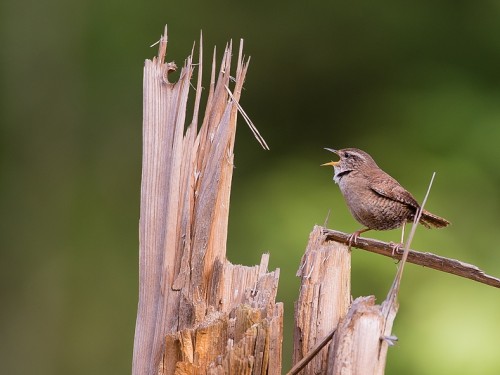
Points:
[[304, 361], [453, 266]]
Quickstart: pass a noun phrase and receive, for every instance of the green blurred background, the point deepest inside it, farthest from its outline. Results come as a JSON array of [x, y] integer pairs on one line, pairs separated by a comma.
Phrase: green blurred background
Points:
[[417, 85]]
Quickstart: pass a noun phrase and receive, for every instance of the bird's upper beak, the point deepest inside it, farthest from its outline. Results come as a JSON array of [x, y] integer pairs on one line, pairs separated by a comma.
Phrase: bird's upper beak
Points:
[[332, 163]]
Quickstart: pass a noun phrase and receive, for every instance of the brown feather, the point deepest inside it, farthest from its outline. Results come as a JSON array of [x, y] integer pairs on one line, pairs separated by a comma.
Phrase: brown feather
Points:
[[387, 186], [429, 220]]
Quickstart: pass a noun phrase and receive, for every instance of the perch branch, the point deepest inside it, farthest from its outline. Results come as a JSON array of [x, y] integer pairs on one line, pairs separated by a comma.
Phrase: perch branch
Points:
[[453, 266]]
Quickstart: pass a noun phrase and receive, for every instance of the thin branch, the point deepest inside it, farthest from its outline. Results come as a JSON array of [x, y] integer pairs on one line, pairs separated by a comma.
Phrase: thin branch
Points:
[[249, 122], [311, 354], [453, 266]]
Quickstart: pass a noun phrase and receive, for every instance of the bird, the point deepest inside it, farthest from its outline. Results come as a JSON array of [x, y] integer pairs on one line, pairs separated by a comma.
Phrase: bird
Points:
[[375, 199]]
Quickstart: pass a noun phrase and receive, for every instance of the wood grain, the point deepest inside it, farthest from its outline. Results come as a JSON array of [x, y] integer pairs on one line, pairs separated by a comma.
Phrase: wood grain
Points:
[[197, 312]]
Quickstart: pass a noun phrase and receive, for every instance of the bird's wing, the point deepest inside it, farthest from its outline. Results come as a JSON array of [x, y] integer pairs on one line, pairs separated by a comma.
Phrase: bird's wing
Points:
[[388, 187]]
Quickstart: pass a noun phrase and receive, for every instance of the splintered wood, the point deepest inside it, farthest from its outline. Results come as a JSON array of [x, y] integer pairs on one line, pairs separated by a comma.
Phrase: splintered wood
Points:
[[361, 331], [325, 295], [197, 313], [360, 343], [242, 337]]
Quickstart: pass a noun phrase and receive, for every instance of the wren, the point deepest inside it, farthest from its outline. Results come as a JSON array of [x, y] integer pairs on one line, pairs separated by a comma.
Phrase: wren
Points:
[[375, 199]]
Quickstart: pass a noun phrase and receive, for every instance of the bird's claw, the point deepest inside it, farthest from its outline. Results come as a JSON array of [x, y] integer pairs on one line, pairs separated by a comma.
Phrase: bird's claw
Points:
[[352, 239], [397, 248]]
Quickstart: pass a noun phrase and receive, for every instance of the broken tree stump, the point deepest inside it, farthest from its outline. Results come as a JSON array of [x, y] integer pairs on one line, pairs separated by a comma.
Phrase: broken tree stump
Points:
[[325, 296], [197, 313]]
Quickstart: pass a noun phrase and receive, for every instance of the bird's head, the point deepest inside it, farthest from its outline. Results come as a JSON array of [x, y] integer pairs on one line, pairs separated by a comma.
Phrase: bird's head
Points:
[[351, 159]]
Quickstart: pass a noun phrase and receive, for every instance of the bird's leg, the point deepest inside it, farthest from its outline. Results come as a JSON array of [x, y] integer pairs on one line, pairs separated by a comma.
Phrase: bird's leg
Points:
[[397, 247], [354, 237]]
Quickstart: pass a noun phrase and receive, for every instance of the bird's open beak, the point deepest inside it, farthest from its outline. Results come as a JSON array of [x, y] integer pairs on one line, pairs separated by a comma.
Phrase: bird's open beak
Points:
[[332, 163]]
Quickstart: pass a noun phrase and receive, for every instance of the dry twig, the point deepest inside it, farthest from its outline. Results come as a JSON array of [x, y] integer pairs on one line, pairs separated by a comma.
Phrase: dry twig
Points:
[[312, 353], [430, 260]]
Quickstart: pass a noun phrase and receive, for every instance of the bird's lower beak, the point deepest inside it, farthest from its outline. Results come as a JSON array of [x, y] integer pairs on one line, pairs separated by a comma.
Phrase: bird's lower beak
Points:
[[332, 163]]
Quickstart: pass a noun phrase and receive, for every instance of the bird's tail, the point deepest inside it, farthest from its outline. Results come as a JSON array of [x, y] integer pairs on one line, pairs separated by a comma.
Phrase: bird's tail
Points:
[[429, 220]]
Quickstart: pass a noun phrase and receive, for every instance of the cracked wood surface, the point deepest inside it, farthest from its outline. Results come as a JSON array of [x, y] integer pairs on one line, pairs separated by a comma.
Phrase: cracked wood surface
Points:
[[197, 313]]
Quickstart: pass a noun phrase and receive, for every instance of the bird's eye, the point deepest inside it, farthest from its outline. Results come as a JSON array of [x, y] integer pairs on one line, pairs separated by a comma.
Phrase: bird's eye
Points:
[[346, 154]]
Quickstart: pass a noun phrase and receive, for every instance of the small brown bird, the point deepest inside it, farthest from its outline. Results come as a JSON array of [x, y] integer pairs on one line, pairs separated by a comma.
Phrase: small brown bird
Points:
[[375, 199]]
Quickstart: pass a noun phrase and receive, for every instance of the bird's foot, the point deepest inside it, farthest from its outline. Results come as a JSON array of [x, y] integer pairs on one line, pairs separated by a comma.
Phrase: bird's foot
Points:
[[397, 248], [353, 238]]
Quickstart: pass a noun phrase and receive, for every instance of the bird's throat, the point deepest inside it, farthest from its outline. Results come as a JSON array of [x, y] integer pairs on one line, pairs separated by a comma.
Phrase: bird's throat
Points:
[[338, 176]]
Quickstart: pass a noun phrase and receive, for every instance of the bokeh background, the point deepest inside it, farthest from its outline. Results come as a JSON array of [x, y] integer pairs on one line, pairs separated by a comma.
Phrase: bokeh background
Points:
[[417, 85]]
